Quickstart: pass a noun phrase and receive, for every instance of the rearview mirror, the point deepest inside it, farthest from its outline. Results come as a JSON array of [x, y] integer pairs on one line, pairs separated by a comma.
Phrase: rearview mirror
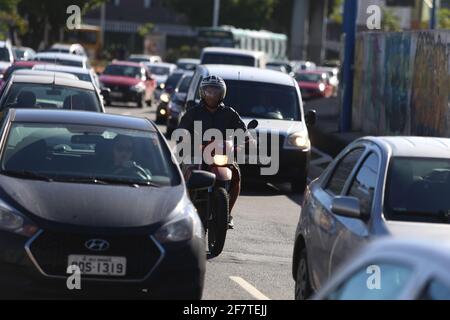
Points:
[[311, 117], [201, 180], [347, 207]]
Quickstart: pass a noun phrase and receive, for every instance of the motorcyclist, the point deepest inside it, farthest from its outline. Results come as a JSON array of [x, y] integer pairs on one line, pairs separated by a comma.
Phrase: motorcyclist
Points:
[[213, 114]]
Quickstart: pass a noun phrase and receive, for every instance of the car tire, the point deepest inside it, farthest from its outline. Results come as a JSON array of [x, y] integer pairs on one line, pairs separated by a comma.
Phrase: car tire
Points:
[[217, 228], [298, 185], [303, 288]]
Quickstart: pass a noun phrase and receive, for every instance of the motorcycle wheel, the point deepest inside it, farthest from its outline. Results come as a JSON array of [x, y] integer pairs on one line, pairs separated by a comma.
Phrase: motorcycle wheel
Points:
[[218, 226]]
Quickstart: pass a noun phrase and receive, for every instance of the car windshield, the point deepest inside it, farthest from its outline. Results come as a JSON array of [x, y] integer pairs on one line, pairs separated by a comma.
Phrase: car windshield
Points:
[[218, 58], [183, 86], [309, 77], [418, 189], [173, 80], [87, 154], [186, 66], [4, 54], [263, 100], [125, 71], [159, 71], [48, 96]]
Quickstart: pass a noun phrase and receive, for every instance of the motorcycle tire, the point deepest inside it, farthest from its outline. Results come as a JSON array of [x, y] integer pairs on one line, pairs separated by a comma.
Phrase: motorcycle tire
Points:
[[218, 226]]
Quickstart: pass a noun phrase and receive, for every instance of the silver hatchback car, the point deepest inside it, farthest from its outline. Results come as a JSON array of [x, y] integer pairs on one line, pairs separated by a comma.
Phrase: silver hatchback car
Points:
[[377, 186]]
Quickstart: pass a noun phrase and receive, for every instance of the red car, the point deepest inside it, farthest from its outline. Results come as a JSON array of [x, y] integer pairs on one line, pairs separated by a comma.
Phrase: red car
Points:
[[128, 82], [314, 84], [17, 65]]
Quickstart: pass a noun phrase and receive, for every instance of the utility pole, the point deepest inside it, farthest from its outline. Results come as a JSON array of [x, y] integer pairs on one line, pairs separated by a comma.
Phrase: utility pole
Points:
[[433, 17], [216, 12], [350, 16]]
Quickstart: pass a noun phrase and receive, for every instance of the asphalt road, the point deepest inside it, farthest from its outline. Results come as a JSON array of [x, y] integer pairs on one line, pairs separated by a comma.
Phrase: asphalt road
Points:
[[256, 261]]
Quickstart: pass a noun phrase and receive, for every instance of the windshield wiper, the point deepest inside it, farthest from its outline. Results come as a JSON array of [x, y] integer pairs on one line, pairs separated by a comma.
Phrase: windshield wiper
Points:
[[107, 181], [25, 174]]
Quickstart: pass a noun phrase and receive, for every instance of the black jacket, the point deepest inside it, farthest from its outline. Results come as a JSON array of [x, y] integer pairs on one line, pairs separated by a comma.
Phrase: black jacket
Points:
[[222, 119]]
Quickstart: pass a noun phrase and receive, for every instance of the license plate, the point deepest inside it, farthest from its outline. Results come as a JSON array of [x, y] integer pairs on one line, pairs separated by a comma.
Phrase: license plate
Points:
[[99, 265], [116, 94]]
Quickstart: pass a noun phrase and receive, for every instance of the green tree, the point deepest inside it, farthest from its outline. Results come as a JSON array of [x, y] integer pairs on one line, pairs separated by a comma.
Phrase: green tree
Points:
[[444, 18], [10, 20]]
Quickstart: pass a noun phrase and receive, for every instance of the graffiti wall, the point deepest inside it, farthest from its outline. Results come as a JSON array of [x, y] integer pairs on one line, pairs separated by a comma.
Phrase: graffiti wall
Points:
[[402, 83]]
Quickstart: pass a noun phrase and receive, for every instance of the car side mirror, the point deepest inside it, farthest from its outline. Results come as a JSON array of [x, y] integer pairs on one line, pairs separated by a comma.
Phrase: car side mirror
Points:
[[190, 104], [201, 180], [252, 124], [311, 117], [105, 91], [347, 207]]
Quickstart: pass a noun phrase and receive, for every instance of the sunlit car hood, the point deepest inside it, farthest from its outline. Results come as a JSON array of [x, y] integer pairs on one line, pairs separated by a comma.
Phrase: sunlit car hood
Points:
[[91, 205], [419, 230], [283, 126], [119, 80]]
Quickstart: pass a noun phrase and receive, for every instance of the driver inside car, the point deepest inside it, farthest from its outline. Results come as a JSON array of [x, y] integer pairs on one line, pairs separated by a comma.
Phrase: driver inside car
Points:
[[123, 164]]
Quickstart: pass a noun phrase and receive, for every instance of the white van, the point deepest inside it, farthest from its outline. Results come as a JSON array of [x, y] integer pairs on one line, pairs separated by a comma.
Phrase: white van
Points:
[[231, 56]]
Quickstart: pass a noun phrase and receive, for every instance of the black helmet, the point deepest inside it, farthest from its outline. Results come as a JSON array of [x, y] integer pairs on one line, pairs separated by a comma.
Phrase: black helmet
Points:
[[213, 81]]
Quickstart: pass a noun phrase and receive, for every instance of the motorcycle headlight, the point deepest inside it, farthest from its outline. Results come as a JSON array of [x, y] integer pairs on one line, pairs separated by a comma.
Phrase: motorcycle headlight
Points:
[[139, 87], [299, 140], [220, 160], [162, 86], [322, 87], [184, 225], [165, 98], [12, 221]]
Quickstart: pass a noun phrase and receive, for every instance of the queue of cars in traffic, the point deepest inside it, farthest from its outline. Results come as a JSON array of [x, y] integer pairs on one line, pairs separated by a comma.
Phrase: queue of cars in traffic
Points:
[[58, 146]]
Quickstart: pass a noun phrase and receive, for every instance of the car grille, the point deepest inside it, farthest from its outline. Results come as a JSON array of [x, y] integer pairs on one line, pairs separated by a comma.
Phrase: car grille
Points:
[[118, 88], [51, 250]]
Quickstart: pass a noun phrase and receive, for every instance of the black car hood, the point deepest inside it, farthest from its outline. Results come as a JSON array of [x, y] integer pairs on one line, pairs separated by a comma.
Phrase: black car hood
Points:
[[89, 205]]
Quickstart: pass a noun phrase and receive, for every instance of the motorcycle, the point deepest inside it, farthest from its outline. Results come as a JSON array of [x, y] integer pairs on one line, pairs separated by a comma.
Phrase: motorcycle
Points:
[[213, 205]]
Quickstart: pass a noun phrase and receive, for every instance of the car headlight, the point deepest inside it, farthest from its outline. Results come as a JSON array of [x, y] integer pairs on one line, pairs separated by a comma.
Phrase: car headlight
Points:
[[139, 87], [321, 87], [165, 98], [220, 160], [184, 225], [12, 221], [162, 86], [299, 140]]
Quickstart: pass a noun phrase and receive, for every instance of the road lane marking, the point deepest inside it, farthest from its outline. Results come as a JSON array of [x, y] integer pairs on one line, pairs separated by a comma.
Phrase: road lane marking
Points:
[[249, 288]]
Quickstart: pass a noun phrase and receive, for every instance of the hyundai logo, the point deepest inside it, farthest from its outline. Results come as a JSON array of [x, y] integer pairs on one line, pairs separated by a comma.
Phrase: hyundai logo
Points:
[[97, 245]]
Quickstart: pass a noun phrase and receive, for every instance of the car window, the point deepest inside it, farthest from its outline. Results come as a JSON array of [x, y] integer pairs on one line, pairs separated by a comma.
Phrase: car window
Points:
[[263, 100], [418, 190], [123, 70], [70, 151], [376, 281], [363, 186], [4, 54], [436, 290], [183, 86], [47, 96], [342, 171], [232, 59], [173, 80]]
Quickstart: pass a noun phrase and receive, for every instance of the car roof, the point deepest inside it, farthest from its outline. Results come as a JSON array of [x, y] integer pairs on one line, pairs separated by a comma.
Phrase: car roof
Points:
[[126, 63], [420, 147], [233, 51], [57, 80], [160, 64], [423, 249], [244, 73], [44, 73], [82, 117], [60, 55], [188, 60], [62, 68]]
